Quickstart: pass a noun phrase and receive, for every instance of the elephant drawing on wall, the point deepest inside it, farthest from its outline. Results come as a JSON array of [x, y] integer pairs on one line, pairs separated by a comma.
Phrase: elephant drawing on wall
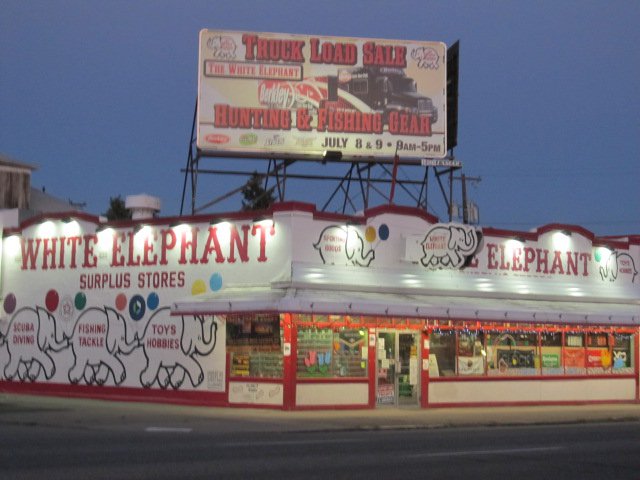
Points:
[[172, 345], [343, 246], [99, 336], [31, 336], [449, 246], [618, 263]]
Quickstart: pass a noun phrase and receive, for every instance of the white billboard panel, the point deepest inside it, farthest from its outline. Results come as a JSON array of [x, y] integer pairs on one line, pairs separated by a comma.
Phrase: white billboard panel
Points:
[[298, 96]]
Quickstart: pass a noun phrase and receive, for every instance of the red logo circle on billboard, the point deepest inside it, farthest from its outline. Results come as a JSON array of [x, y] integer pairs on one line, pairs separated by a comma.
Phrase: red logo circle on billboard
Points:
[[217, 138]]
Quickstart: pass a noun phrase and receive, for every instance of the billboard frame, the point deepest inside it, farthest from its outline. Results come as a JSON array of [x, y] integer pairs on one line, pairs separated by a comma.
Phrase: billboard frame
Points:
[[291, 96]]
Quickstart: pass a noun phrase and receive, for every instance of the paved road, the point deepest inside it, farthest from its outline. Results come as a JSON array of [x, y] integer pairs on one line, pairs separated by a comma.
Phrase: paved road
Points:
[[45, 438], [577, 451]]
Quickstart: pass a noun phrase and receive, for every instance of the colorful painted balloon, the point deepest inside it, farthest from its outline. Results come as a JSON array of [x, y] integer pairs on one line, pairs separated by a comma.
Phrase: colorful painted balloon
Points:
[[121, 301], [153, 301], [198, 287], [80, 301], [215, 282], [52, 300], [137, 307], [10, 303], [370, 234], [383, 232]]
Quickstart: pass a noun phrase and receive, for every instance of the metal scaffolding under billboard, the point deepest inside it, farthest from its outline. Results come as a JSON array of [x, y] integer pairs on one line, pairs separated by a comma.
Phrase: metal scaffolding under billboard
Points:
[[372, 114]]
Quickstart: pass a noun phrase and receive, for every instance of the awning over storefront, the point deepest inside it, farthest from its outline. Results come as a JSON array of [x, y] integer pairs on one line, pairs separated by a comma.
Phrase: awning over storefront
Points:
[[320, 301]]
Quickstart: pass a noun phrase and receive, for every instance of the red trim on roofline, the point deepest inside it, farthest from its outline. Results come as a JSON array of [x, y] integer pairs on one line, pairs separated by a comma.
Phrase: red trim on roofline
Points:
[[618, 241]]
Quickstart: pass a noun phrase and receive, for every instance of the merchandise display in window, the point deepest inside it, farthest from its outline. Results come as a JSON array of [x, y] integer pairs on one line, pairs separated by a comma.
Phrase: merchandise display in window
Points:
[[254, 342], [537, 352], [329, 353]]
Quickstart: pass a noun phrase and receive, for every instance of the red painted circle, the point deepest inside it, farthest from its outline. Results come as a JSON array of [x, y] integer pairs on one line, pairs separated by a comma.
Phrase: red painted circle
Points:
[[51, 300], [121, 301]]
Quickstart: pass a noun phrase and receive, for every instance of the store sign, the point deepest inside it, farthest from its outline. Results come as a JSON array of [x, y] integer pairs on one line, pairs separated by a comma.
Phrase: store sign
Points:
[[343, 245], [618, 264], [93, 308], [444, 246], [268, 94]]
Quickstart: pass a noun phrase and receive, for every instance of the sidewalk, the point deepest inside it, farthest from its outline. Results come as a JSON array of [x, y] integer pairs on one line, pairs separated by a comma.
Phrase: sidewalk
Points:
[[85, 413]]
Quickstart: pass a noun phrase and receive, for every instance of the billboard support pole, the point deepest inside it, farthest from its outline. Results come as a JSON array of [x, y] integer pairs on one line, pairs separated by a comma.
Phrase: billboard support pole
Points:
[[190, 161], [396, 160], [424, 190], [450, 194]]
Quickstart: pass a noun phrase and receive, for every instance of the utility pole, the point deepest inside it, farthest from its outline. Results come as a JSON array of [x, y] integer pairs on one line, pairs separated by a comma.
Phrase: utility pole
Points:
[[465, 207]]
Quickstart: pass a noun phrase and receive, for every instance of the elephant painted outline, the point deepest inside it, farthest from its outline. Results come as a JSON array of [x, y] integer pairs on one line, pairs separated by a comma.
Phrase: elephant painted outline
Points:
[[26, 360], [459, 243], [198, 337], [340, 245], [611, 267], [95, 363]]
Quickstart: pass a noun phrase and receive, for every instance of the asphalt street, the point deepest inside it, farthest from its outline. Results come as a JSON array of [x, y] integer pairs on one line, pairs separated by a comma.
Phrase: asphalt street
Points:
[[46, 437]]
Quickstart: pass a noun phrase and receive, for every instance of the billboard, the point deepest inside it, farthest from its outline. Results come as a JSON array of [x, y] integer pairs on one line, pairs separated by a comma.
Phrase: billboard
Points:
[[271, 95]]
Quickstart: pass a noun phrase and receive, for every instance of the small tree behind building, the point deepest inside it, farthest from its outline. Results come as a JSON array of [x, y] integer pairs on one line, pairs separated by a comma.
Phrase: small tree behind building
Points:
[[117, 209], [256, 197]]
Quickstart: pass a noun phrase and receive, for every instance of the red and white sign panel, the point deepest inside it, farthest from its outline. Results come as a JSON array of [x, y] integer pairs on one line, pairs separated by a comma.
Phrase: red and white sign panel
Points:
[[298, 96]]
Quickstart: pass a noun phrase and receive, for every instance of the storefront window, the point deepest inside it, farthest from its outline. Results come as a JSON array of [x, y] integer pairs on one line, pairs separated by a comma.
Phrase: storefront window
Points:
[[327, 353], [254, 342], [551, 353], [471, 353], [623, 360], [598, 356], [442, 354], [529, 351], [573, 354], [512, 353]]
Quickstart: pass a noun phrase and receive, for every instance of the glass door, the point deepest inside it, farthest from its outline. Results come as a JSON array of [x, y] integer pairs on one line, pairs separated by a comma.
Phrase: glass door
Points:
[[408, 371], [397, 372], [386, 368]]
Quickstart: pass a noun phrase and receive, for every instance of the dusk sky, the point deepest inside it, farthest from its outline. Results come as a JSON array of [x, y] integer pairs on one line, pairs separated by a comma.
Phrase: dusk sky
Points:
[[100, 96]]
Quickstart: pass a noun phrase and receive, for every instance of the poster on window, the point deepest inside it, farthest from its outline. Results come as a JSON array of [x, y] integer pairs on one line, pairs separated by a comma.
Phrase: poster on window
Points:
[[598, 358], [573, 357], [253, 330], [470, 365]]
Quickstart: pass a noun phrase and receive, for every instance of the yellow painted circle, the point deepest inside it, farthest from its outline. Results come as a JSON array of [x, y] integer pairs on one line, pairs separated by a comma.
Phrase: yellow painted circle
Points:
[[370, 234], [198, 287]]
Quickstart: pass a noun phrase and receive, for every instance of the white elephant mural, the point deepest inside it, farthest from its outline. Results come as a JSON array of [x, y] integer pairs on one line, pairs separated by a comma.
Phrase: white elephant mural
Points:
[[343, 246], [616, 264], [31, 336], [99, 336], [172, 345], [449, 246]]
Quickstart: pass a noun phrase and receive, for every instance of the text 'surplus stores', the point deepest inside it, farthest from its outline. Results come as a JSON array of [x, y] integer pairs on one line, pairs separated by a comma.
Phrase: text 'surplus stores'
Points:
[[306, 310]]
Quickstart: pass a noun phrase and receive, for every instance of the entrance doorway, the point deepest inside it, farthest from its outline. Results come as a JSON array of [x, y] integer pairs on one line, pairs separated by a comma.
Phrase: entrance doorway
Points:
[[397, 368]]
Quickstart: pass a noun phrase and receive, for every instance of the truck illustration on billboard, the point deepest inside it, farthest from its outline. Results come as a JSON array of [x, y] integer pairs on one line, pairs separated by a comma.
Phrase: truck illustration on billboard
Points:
[[383, 89]]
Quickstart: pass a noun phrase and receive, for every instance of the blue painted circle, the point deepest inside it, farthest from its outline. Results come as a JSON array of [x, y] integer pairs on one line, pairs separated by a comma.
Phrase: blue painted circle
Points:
[[383, 231], [215, 282], [137, 307], [153, 300]]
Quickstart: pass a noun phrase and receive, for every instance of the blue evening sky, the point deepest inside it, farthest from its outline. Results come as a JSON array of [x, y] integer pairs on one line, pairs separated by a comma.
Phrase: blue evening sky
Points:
[[100, 96]]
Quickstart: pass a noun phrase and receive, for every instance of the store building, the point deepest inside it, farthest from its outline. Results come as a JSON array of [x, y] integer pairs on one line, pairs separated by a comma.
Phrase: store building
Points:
[[301, 309]]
